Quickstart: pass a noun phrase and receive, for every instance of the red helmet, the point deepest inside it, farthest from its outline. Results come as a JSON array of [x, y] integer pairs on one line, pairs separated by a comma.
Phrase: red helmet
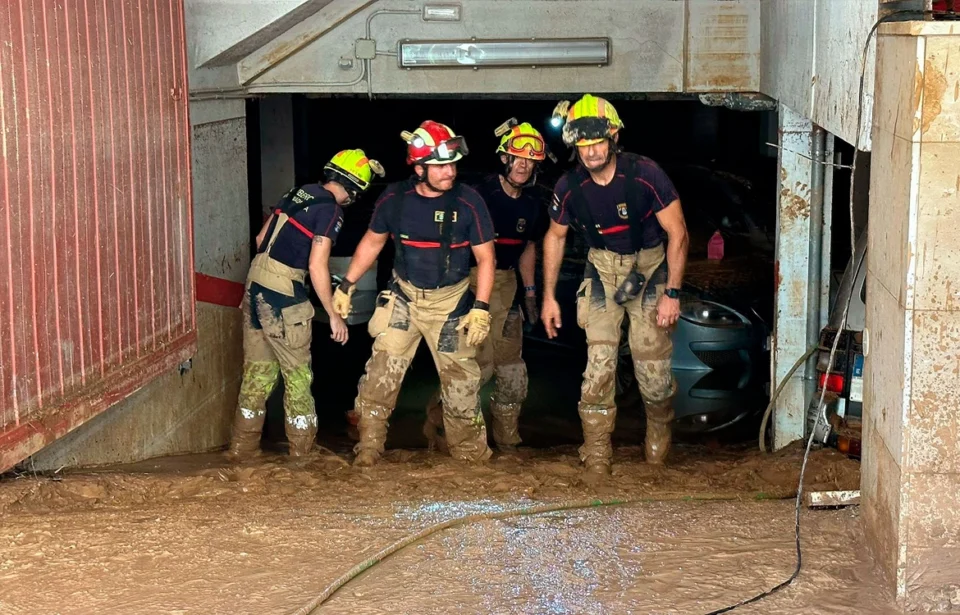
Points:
[[434, 143]]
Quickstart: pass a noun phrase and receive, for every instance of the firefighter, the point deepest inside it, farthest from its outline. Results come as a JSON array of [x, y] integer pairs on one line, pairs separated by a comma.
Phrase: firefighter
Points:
[[626, 206], [436, 225], [277, 313], [515, 213]]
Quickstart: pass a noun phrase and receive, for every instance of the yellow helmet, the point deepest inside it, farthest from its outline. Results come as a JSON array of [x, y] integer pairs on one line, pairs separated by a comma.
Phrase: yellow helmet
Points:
[[353, 166], [521, 140], [589, 120]]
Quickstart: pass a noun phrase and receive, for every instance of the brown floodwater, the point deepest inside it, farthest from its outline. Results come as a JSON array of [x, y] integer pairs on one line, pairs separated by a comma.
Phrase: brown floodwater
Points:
[[192, 534]]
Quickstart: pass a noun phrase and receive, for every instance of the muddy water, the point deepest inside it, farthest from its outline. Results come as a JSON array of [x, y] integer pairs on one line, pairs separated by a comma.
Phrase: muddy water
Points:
[[193, 535]]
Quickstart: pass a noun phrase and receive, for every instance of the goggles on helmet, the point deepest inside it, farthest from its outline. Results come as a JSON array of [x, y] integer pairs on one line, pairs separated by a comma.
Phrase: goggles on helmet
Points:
[[529, 146], [586, 129], [446, 152]]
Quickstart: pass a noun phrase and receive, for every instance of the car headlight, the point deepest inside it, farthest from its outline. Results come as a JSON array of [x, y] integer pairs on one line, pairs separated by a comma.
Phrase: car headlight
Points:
[[710, 314]]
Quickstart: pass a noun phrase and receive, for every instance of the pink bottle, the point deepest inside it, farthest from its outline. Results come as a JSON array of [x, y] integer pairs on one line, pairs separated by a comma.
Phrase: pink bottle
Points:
[[715, 247]]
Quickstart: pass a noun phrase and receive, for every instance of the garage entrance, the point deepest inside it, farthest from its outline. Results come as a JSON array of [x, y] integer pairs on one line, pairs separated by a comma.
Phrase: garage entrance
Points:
[[725, 174]]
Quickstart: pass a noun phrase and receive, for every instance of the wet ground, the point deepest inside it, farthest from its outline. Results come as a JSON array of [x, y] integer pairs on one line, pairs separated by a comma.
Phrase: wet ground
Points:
[[194, 534]]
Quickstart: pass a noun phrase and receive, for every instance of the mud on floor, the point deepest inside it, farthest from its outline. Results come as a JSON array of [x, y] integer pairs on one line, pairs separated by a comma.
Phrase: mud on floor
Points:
[[195, 535], [412, 475]]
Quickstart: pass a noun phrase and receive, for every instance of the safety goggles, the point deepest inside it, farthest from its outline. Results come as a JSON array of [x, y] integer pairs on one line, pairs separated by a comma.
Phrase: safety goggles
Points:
[[447, 151], [526, 146], [586, 129]]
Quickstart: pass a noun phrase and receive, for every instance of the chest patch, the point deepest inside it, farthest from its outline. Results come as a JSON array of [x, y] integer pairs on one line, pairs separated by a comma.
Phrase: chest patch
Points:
[[521, 225], [622, 210], [438, 216]]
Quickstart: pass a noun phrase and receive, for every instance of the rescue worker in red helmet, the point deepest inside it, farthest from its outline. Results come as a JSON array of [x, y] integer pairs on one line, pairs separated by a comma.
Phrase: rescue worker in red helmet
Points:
[[277, 313], [626, 206], [515, 212], [437, 224]]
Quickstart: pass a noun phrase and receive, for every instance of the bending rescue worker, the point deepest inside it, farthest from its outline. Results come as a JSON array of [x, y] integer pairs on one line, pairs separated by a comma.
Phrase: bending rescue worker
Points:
[[624, 204], [277, 314], [515, 213], [436, 224]]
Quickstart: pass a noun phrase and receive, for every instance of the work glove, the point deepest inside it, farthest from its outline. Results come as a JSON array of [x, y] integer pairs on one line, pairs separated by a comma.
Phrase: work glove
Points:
[[342, 297], [477, 324], [530, 307]]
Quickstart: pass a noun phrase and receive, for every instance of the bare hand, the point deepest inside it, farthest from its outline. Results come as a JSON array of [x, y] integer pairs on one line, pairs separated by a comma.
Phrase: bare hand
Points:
[[530, 309], [550, 314], [668, 311], [338, 329]]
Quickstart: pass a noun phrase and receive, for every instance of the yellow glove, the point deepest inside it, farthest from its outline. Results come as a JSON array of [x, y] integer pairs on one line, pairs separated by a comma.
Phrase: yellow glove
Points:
[[342, 297], [477, 324]]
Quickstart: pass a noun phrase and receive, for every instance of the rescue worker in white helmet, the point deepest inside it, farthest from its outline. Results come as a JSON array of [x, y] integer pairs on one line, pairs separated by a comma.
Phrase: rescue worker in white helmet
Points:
[[277, 314], [515, 212], [626, 206], [437, 224]]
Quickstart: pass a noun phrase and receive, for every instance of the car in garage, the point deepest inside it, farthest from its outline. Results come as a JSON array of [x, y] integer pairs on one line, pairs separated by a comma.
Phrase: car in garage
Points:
[[841, 412]]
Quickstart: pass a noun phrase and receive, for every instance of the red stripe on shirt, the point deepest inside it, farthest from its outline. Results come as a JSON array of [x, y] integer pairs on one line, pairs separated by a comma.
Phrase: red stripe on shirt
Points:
[[296, 225], [431, 244], [613, 230]]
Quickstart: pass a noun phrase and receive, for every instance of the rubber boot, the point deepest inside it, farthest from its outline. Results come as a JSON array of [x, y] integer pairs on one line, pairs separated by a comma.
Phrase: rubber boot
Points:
[[245, 441], [373, 436], [301, 444], [659, 432], [433, 426], [366, 458], [506, 433], [597, 450]]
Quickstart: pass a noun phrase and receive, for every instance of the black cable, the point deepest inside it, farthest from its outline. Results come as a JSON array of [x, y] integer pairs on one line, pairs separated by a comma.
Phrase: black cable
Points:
[[843, 321]]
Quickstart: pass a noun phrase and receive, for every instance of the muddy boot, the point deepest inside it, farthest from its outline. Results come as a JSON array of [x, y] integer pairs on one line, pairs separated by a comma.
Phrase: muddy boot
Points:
[[433, 426], [506, 417], [372, 425], [597, 450], [245, 442], [366, 458], [659, 432], [301, 445]]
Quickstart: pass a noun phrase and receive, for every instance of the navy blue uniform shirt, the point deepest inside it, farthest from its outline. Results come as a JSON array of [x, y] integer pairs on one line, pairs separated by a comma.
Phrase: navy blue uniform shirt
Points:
[[515, 220], [322, 217], [608, 203], [416, 221]]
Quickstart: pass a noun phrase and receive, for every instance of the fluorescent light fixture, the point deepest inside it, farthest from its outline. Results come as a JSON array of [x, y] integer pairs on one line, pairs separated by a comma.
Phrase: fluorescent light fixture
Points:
[[441, 12], [502, 52]]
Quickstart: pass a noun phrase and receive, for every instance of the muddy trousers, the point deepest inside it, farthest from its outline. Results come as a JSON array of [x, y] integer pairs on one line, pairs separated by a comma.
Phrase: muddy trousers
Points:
[[498, 357], [650, 347], [280, 346], [403, 316]]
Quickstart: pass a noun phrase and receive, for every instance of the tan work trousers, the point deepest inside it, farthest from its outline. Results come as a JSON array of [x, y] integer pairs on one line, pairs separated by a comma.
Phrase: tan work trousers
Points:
[[499, 356], [281, 346], [650, 345], [402, 317]]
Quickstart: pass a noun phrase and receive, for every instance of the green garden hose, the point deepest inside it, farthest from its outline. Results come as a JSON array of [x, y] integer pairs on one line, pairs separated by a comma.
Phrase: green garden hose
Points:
[[537, 509]]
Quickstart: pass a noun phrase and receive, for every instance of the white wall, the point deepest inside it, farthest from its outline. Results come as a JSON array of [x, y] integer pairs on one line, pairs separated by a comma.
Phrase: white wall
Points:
[[811, 59]]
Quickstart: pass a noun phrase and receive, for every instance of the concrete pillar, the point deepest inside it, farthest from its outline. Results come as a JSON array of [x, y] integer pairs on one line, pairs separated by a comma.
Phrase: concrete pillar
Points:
[[276, 148], [792, 273], [911, 450]]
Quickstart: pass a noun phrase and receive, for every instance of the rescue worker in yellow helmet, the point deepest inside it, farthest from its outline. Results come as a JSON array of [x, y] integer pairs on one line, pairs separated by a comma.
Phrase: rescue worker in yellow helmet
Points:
[[515, 212], [277, 314], [437, 225], [626, 206]]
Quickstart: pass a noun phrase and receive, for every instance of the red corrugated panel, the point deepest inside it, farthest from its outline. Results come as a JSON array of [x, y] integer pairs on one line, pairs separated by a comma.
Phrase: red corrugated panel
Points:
[[96, 232]]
